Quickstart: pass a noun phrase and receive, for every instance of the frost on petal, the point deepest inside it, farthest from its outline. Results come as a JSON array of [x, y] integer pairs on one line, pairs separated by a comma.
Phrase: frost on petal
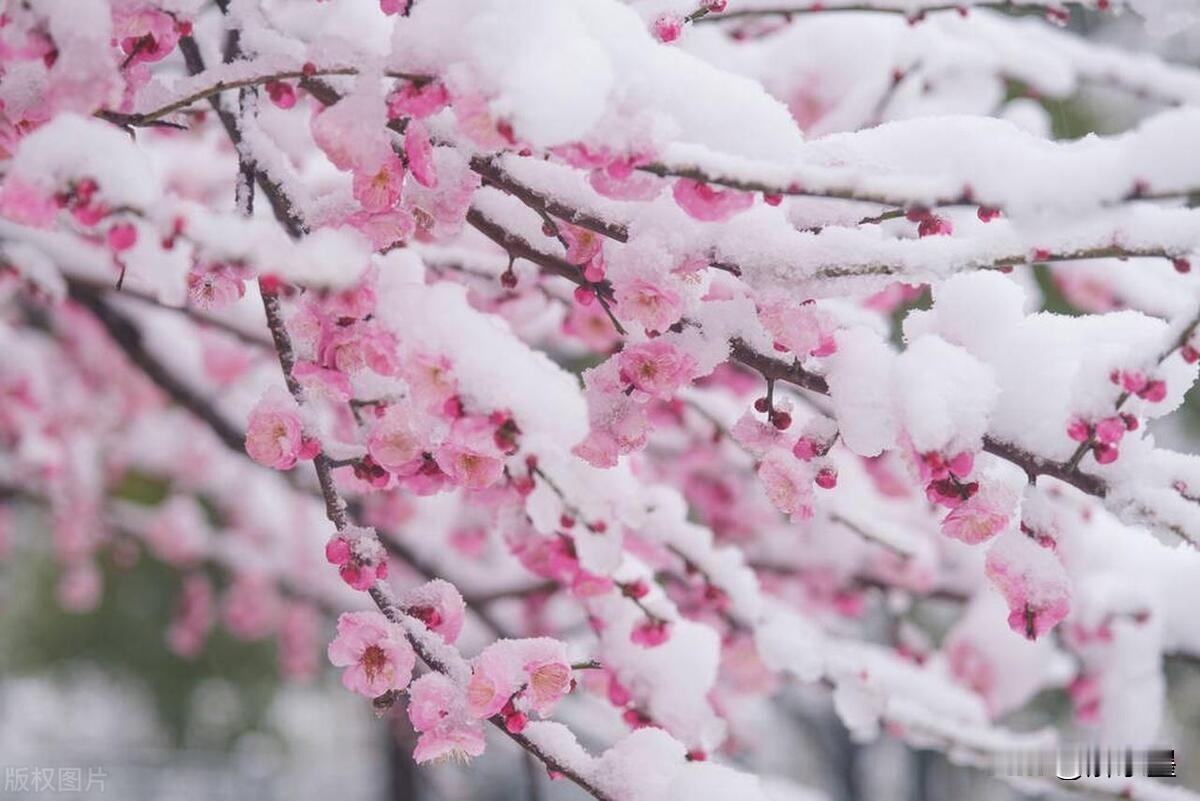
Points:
[[1032, 581], [788, 483], [984, 515], [437, 708], [439, 606], [419, 153]]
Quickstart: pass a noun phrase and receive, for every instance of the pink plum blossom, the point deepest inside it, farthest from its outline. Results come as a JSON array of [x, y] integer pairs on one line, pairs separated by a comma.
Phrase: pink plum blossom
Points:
[[469, 456], [419, 153], [275, 434], [439, 606], [656, 307], [981, 517], [375, 654], [656, 368], [379, 190], [536, 668]]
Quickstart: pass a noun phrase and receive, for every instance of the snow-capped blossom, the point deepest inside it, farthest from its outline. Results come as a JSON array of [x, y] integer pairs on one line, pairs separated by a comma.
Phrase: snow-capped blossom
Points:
[[656, 368], [419, 153], [651, 633], [437, 708], [1032, 581], [379, 190], [216, 286], [395, 442], [788, 483], [275, 434], [323, 382], [439, 606], [346, 135], [537, 669], [25, 203], [417, 100], [707, 204], [981, 517], [469, 456], [359, 557], [654, 306], [375, 654]]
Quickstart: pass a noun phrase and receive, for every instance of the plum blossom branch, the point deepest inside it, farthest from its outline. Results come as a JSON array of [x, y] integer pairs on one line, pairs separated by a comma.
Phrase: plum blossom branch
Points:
[[910, 10]]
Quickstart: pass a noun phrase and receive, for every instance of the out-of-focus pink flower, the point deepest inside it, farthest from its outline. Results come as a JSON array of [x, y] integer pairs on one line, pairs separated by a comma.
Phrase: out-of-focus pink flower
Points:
[[379, 190], [651, 633], [376, 656]]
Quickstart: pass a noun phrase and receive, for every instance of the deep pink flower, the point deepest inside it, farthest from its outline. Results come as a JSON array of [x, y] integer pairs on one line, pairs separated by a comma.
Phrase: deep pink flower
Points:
[[376, 655], [706, 204]]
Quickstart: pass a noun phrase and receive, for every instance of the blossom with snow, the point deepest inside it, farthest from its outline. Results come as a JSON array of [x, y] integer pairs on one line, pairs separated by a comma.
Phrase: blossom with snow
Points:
[[376, 656]]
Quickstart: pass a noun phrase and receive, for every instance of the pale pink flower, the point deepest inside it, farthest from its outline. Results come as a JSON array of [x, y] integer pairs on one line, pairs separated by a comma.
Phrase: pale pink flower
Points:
[[657, 368], [788, 483], [419, 152], [797, 327], [324, 382], [439, 606], [379, 189], [469, 456], [583, 244], [437, 708], [395, 443], [251, 607], [656, 307], [275, 434], [537, 668], [216, 286], [26, 204], [377, 657], [971, 667], [384, 228], [707, 204], [982, 516]]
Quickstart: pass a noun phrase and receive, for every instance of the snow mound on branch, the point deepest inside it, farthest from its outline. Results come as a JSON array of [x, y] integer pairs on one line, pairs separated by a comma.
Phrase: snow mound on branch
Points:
[[558, 68]]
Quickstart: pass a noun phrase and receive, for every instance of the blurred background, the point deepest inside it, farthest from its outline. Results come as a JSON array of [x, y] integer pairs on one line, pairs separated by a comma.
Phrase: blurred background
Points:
[[95, 704]]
